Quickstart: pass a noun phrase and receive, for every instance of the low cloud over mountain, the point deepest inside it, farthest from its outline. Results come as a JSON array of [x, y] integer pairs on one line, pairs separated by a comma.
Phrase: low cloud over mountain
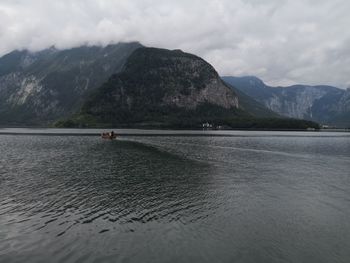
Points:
[[283, 42]]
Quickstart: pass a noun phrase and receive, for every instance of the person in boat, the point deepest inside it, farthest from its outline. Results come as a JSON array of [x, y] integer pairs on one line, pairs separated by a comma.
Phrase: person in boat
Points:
[[108, 135]]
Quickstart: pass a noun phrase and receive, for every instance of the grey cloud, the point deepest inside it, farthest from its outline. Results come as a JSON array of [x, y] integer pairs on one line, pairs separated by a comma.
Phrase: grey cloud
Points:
[[280, 41]]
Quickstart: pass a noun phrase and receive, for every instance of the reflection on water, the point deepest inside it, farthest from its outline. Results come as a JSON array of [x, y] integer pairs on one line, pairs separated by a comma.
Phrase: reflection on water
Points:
[[174, 199]]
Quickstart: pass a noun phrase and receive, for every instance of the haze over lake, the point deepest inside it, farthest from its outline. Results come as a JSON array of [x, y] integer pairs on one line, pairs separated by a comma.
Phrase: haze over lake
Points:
[[246, 197]]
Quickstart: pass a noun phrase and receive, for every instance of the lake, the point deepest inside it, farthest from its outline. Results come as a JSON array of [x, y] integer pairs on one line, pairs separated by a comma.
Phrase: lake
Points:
[[176, 197]]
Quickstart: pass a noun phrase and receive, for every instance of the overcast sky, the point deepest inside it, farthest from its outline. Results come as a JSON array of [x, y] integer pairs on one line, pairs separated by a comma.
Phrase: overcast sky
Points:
[[281, 41]]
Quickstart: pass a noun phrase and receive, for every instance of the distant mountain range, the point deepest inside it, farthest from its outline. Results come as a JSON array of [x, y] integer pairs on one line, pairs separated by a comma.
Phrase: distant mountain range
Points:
[[324, 104], [125, 85]]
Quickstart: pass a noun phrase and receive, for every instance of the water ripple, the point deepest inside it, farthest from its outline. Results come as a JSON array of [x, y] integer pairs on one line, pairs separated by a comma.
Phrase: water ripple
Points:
[[173, 199]]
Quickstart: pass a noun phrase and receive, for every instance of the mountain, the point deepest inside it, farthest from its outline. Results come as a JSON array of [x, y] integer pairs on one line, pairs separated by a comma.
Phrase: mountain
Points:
[[37, 88], [126, 85], [163, 88], [325, 104]]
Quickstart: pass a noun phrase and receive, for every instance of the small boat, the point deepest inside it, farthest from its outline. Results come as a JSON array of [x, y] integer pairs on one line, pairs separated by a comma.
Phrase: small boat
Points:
[[108, 135]]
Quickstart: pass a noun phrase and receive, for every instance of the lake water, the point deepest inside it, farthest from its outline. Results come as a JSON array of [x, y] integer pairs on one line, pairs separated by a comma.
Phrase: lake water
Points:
[[242, 197]]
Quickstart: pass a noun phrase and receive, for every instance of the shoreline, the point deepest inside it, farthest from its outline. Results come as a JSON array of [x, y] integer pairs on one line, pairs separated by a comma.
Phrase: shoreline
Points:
[[163, 133]]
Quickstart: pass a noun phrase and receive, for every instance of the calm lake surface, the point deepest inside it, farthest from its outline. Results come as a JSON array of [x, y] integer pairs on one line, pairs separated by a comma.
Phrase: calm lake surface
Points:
[[245, 197]]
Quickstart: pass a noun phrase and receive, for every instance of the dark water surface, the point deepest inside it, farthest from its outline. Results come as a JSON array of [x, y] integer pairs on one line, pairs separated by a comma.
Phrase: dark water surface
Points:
[[251, 197]]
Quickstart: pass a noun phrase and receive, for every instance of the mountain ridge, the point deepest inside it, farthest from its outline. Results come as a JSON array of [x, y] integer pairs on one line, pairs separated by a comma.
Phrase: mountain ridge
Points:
[[321, 103]]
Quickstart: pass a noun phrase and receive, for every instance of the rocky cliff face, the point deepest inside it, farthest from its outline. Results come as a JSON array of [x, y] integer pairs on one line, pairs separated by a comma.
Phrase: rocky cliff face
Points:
[[40, 87], [324, 104], [296, 101], [158, 85]]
